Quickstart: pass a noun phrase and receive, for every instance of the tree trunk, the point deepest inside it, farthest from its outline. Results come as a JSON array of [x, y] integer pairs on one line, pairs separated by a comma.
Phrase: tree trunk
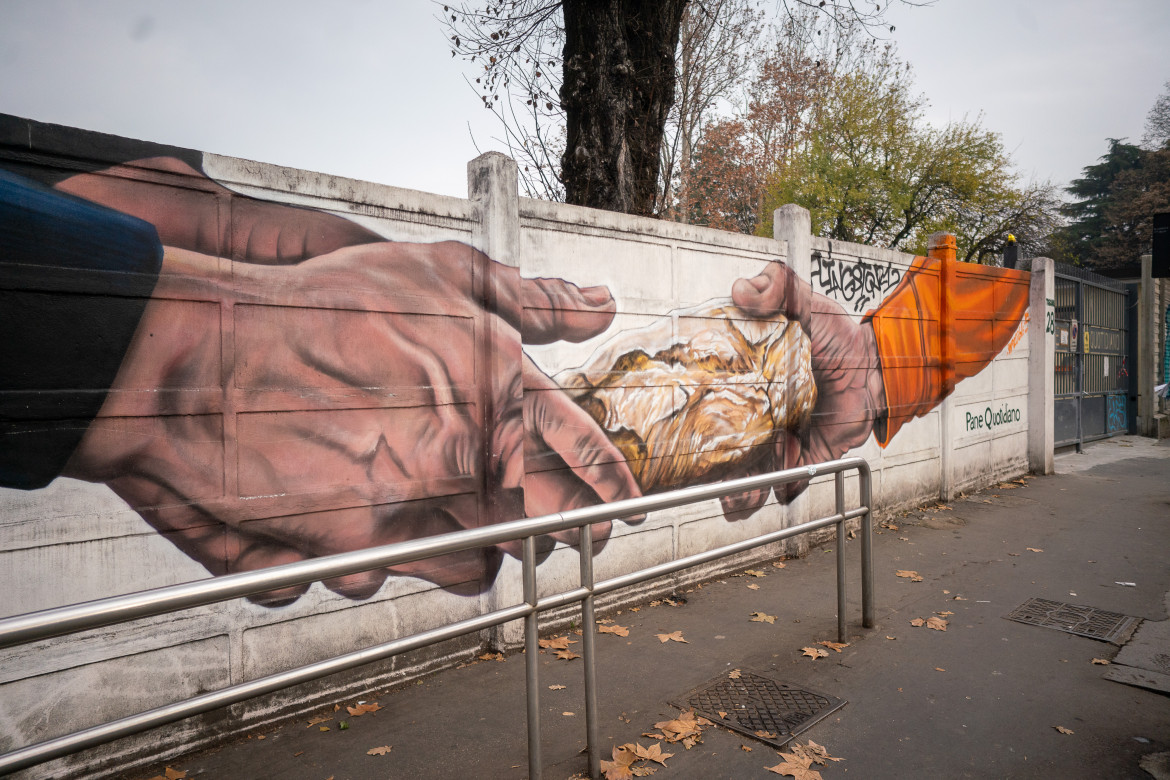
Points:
[[618, 87]]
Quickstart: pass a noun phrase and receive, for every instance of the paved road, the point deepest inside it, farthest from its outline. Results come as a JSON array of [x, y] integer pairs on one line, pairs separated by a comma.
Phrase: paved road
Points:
[[980, 700]]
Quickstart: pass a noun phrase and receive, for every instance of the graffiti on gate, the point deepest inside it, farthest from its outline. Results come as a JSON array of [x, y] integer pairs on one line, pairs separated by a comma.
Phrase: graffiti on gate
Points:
[[1115, 418], [858, 283]]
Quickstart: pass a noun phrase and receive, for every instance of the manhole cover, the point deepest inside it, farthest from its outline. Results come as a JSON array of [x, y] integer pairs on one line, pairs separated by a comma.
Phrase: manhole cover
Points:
[[1075, 619], [754, 703]]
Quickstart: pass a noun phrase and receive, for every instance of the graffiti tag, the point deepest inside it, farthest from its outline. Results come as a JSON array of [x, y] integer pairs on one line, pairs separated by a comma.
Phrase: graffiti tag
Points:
[[1115, 413], [856, 282]]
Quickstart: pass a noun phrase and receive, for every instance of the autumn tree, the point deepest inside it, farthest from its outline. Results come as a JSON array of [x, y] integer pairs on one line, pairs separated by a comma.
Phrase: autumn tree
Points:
[[617, 84]]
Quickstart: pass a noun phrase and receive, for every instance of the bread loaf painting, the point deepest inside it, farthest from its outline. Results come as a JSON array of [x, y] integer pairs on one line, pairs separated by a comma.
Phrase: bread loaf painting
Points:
[[697, 396]]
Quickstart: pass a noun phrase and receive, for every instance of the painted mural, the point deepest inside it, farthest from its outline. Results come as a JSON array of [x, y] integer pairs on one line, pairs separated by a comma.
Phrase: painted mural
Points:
[[265, 383]]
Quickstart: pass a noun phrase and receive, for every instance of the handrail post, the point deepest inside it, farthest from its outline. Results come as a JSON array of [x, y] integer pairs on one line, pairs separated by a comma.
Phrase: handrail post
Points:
[[866, 486], [839, 484], [531, 656], [588, 645]]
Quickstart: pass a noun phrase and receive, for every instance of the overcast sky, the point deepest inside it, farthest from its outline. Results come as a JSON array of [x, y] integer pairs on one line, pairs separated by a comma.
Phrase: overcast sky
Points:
[[368, 89]]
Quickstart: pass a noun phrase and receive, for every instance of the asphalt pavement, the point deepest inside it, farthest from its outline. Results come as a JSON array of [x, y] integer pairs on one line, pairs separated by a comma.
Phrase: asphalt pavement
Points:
[[987, 697]]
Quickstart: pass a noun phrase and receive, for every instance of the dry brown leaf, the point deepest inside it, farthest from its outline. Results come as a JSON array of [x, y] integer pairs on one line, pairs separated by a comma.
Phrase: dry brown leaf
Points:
[[760, 617], [1014, 555], [1033, 549], [766, 734], [619, 768], [753, 586], [745, 748], [318, 719], [814, 652], [568, 714], [674, 636], [722, 713], [944, 613], [939, 669], [323, 728], [556, 687], [614, 629], [653, 753], [813, 752], [604, 622], [492, 657], [1101, 661], [566, 655], [643, 770], [734, 674], [635, 609], [907, 574], [379, 751], [778, 564], [754, 572], [362, 709], [795, 766], [1063, 730], [553, 643], [918, 622], [937, 623], [890, 637], [174, 774], [834, 645]]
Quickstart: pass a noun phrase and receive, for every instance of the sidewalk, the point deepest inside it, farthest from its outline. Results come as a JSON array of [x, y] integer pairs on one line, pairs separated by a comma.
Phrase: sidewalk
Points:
[[981, 700]]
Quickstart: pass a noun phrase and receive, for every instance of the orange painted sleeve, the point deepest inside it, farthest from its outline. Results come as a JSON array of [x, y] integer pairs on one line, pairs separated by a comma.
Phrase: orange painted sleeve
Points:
[[945, 321]]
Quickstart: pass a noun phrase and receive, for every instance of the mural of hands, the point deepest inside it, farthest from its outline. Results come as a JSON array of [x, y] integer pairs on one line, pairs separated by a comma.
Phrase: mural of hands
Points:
[[845, 367], [350, 407]]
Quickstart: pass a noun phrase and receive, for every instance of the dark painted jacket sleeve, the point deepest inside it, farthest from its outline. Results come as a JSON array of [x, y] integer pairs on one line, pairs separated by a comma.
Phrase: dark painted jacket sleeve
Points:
[[75, 278]]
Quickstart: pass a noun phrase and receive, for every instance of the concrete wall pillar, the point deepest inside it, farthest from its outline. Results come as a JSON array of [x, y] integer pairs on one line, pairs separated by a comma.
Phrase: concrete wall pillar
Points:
[[493, 188], [793, 224], [944, 246], [1145, 348], [1041, 366]]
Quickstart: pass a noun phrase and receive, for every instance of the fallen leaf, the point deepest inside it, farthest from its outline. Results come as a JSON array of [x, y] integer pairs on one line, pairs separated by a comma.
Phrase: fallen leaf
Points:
[[745, 748], [958, 598], [298, 753], [635, 609], [890, 526], [568, 714], [556, 687], [834, 645], [642, 770], [655, 603], [619, 768], [566, 655], [760, 617], [362, 709], [918, 622], [939, 669], [795, 766], [767, 734], [754, 572], [554, 643], [945, 613], [1034, 549], [318, 719], [1014, 555], [174, 774], [937, 623], [946, 593], [1101, 661], [907, 574], [614, 629], [604, 622], [734, 674], [753, 586], [492, 657], [323, 728], [778, 564], [814, 652], [722, 714], [813, 752], [890, 637], [261, 736], [1063, 730], [379, 751], [674, 636], [686, 728], [653, 753]]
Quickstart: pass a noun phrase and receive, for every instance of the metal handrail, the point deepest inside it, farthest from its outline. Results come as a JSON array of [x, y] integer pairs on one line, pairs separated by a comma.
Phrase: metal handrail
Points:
[[34, 626]]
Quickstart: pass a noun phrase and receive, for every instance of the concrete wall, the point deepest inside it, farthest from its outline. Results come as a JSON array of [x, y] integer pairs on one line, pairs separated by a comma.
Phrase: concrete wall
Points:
[[353, 372]]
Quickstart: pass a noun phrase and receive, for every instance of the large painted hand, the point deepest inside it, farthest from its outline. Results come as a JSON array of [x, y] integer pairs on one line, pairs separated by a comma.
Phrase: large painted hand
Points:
[[346, 403], [845, 365]]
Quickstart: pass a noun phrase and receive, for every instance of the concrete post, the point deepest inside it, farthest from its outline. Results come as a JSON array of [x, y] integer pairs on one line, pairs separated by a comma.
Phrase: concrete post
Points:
[[793, 224], [1145, 347], [493, 188], [1041, 366], [944, 246]]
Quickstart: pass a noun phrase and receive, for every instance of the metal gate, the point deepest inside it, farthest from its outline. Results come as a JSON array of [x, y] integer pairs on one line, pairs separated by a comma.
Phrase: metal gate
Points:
[[1095, 318]]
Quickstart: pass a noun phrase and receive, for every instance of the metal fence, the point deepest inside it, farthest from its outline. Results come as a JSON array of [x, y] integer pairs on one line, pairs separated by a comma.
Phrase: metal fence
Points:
[[1092, 362], [35, 626]]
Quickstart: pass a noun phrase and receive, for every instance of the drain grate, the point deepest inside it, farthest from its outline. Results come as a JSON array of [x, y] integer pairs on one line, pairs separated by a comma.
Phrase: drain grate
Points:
[[1075, 619], [755, 703]]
